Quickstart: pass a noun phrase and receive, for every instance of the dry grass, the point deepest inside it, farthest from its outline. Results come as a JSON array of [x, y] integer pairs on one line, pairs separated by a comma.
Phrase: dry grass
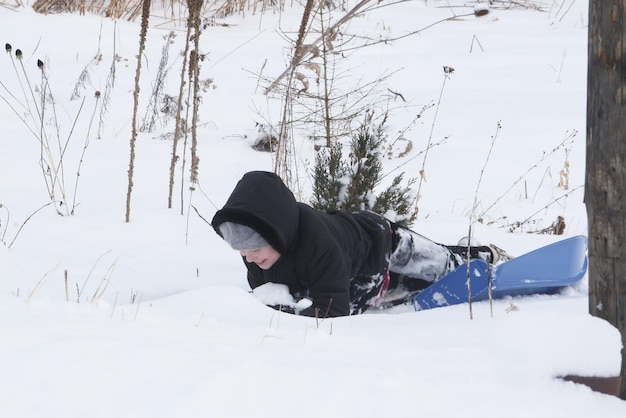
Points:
[[131, 9]]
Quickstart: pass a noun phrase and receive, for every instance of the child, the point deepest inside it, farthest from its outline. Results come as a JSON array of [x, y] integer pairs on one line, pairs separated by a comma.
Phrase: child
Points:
[[343, 262]]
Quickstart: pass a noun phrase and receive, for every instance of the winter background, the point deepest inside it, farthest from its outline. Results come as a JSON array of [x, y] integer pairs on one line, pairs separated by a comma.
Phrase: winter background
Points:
[[154, 318]]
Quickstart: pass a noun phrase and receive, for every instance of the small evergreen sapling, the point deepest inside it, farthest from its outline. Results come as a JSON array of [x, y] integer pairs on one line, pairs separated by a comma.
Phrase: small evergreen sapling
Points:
[[352, 184], [330, 174]]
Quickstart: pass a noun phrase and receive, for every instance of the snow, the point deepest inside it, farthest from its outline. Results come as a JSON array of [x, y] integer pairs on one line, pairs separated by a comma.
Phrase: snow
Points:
[[154, 318], [274, 294]]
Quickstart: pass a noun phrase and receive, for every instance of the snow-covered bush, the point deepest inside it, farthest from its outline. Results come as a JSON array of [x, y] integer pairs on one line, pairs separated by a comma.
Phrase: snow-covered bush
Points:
[[352, 184]]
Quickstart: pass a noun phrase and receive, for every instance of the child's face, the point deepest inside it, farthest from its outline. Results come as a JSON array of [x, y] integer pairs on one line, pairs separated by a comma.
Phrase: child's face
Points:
[[264, 257]]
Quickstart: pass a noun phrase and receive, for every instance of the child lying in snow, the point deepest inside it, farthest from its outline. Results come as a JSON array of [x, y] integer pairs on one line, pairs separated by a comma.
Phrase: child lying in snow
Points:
[[341, 262]]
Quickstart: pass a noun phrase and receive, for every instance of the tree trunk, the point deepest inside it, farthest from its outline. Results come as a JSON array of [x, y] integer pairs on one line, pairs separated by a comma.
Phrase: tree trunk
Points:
[[606, 165]]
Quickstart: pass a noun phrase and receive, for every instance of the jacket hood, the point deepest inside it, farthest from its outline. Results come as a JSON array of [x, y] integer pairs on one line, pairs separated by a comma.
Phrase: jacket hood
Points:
[[263, 202]]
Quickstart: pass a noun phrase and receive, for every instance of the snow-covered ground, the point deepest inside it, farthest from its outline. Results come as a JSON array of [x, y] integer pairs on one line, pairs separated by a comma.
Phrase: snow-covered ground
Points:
[[153, 318]]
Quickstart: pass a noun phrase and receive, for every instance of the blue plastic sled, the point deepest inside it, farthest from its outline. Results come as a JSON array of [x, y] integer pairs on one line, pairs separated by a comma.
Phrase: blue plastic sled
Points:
[[542, 271]]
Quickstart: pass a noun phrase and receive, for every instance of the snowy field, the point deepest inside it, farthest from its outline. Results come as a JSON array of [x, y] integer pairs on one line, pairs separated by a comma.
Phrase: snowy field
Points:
[[153, 318]]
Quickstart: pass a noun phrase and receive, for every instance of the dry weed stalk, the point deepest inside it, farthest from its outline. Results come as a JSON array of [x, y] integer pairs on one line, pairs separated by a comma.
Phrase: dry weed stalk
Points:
[[180, 122], [192, 71], [32, 111], [480, 178], [569, 137], [401, 136], [195, 7], [512, 308], [138, 305], [40, 283], [84, 77], [564, 173], [156, 96], [412, 33], [110, 83], [186, 137], [67, 293], [472, 219], [82, 155], [329, 111], [131, 9], [194, 66], [282, 164], [560, 9], [446, 74], [23, 224], [301, 53], [79, 290], [104, 283], [6, 224], [557, 228], [114, 305], [142, 46]]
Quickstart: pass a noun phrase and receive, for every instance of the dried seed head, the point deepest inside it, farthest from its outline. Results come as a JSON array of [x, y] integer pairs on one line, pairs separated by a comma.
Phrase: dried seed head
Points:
[[97, 94], [40, 64], [448, 70], [8, 47], [18, 54]]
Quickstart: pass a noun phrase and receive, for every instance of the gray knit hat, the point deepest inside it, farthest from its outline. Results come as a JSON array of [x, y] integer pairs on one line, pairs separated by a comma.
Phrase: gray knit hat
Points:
[[241, 237]]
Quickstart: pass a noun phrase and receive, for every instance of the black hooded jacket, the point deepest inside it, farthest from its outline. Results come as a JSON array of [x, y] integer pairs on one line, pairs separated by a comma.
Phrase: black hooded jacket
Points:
[[321, 253]]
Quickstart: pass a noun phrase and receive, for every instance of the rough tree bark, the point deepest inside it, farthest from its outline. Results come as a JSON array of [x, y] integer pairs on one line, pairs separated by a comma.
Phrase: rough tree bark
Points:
[[606, 165]]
